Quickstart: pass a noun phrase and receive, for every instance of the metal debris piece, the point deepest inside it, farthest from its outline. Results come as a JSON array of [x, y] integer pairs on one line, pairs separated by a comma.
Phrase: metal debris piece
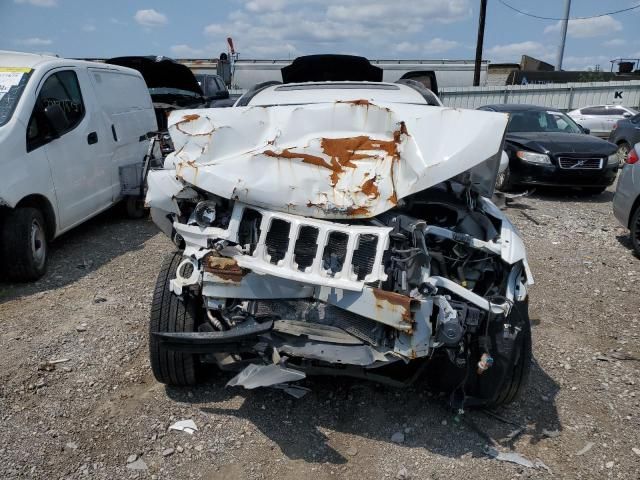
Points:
[[511, 457], [254, 376], [188, 426], [585, 449], [295, 391]]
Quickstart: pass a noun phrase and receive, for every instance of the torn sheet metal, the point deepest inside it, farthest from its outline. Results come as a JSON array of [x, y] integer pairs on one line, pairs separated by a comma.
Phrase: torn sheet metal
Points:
[[332, 160], [254, 376]]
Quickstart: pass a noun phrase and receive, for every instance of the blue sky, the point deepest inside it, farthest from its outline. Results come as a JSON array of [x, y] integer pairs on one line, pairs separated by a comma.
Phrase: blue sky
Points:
[[288, 28]]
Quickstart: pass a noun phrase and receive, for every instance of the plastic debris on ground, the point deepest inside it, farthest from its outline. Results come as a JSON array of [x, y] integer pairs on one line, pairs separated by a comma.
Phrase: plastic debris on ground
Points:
[[513, 457], [254, 376], [188, 426]]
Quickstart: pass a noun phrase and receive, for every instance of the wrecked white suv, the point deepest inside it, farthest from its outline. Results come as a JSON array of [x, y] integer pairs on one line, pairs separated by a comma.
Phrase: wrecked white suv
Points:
[[340, 228]]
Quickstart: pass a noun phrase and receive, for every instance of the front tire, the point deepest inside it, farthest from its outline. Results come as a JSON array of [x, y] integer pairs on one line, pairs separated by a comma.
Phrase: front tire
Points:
[[505, 380], [170, 313], [503, 181], [634, 229], [24, 244]]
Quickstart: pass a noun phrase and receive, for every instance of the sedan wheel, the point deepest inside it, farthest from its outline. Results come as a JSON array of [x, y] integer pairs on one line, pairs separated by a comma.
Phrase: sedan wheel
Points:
[[623, 152]]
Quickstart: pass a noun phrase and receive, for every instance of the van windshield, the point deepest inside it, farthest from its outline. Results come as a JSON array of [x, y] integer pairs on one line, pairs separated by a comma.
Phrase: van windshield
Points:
[[12, 83]]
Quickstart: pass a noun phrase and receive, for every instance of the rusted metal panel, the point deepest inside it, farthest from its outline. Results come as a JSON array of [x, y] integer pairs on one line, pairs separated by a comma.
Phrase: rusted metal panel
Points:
[[224, 269]]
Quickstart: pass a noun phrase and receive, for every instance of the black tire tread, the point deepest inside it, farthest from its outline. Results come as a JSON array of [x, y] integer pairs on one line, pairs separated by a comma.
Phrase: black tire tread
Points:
[[169, 313], [519, 375], [16, 251], [634, 229]]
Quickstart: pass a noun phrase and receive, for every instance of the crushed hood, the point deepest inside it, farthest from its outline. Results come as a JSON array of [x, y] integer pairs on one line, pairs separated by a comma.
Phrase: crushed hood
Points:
[[161, 72], [333, 160]]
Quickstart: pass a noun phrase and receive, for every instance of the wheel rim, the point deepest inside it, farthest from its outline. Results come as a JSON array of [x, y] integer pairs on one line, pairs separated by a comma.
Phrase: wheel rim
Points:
[[500, 180], [623, 153], [38, 244]]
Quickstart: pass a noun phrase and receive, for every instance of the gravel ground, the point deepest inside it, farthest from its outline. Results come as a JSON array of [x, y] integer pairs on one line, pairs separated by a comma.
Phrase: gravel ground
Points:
[[99, 413]]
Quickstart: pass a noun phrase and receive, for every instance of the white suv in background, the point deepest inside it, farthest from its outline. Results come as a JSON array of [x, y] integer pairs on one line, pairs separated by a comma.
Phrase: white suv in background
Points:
[[600, 119]]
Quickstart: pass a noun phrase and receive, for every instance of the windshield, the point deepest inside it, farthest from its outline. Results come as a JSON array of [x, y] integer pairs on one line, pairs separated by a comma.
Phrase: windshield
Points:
[[173, 91], [542, 121], [12, 83]]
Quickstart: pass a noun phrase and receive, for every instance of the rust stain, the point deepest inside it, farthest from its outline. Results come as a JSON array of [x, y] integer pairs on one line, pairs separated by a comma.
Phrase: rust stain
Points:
[[344, 151], [394, 301], [190, 117], [370, 189], [305, 157], [393, 198], [358, 211], [224, 268], [359, 103]]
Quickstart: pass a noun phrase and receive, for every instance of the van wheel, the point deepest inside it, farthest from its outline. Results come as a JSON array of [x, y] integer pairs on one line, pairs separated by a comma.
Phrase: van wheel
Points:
[[634, 228], [24, 244], [135, 207], [169, 313], [503, 181]]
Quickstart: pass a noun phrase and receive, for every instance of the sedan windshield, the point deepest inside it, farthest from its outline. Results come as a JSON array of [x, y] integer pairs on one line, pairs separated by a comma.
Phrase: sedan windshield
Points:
[[542, 121], [12, 83]]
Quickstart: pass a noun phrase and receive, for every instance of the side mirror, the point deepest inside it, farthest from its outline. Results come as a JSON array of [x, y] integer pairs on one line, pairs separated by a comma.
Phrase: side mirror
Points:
[[57, 119], [627, 115], [585, 130]]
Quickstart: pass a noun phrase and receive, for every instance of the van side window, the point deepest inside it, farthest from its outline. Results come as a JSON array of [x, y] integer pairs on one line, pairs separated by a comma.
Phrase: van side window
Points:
[[61, 88]]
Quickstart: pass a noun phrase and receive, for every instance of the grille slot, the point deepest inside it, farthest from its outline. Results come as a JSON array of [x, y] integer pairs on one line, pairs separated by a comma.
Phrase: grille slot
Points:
[[306, 247], [249, 229], [277, 240], [365, 255], [335, 252], [569, 163]]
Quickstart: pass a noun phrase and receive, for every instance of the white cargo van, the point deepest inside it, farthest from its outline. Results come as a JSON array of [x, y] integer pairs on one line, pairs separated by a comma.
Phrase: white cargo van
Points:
[[66, 126]]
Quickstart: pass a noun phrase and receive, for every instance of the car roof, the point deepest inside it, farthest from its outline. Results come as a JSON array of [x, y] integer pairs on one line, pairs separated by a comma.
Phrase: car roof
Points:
[[34, 60], [321, 92], [517, 107]]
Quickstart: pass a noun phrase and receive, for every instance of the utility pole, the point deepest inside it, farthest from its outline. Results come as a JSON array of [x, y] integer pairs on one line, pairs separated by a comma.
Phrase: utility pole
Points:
[[563, 34], [476, 70]]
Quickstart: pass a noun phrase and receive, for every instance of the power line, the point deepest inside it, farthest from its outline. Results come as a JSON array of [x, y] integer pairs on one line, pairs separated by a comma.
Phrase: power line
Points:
[[572, 18]]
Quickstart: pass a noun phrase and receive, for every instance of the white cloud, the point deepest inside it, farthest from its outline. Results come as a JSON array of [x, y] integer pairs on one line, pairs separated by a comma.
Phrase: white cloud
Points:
[[512, 52], [88, 28], [33, 42], [588, 27], [39, 3], [615, 42], [374, 28], [186, 51], [433, 46], [258, 6], [150, 18]]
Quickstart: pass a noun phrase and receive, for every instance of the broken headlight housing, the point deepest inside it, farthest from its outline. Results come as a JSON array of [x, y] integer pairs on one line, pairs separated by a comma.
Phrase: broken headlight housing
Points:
[[205, 213]]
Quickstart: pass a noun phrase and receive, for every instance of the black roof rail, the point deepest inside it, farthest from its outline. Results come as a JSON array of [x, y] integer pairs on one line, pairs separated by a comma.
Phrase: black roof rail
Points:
[[244, 100], [427, 94]]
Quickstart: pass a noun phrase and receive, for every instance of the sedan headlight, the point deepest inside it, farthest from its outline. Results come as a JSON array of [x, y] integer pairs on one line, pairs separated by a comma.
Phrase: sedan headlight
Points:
[[613, 159], [537, 158]]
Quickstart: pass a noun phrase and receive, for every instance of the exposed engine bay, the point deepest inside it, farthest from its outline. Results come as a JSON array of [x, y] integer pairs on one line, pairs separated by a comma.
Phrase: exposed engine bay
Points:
[[435, 285]]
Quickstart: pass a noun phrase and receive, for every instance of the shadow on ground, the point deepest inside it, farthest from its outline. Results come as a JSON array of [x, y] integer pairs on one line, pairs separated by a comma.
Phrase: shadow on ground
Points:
[[83, 250], [369, 410]]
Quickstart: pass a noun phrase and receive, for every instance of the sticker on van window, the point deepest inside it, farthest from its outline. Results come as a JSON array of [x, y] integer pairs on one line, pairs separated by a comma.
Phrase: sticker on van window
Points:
[[11, 77]]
